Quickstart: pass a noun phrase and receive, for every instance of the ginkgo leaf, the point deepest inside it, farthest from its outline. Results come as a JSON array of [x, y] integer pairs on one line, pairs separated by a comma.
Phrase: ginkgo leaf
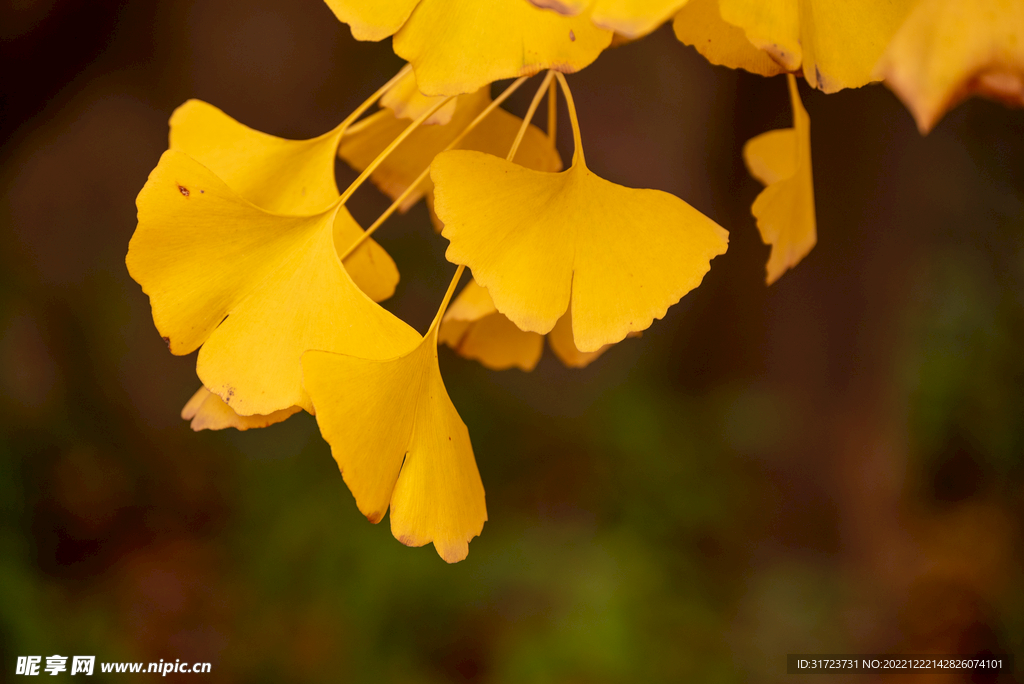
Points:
[[279, 175], [835, 43], [255, 289], [207, 411], [629, 18], [457, 46], [784, 210], [406, 101], [700, 24], [372, 19], [494, 135], [950, 49], [537, 240], [475, 329], [399, 442]]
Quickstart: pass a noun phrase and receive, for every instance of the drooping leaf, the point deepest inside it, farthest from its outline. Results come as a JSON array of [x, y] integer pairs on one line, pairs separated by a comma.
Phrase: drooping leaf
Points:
[[784, 210], [400, 443]]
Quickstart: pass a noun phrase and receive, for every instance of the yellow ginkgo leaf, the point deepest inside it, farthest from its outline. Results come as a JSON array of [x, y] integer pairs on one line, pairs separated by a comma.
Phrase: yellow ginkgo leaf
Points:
[[494, 135], [537, 240], [372, 19], [836, 43], [276, 174], [475, 329], [534, 238], [255, 289], [950, 49], [784, 210], [457, 46], [406, 101], [629, 18], [207, 411], [700, 24], [399, 442]]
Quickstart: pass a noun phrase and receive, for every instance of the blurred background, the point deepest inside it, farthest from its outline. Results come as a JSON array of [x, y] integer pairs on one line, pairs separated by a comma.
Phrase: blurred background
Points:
[[832, 464]]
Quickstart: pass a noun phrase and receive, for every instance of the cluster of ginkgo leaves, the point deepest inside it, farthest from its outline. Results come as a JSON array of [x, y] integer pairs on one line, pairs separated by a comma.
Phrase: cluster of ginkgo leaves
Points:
[[249, 254]]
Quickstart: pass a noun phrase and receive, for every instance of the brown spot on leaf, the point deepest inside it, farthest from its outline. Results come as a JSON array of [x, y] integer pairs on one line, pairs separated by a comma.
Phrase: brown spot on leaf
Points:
[[375, 517], [167, 341], [572, 36], [183, 190]]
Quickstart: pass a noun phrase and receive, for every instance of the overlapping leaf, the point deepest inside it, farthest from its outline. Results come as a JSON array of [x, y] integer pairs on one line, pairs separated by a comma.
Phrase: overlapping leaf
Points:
[[255, 289]]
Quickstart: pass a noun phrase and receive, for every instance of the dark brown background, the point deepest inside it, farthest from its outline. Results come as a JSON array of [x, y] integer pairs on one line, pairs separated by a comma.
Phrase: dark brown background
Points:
[[831, 464]]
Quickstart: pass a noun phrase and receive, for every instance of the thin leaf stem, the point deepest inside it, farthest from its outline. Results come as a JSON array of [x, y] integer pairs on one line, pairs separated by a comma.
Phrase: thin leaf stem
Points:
[[577, 141], [529, 115]]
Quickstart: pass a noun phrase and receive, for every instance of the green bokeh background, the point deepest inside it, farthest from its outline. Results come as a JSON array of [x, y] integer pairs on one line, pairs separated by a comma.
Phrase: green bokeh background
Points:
[[831, 464]]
